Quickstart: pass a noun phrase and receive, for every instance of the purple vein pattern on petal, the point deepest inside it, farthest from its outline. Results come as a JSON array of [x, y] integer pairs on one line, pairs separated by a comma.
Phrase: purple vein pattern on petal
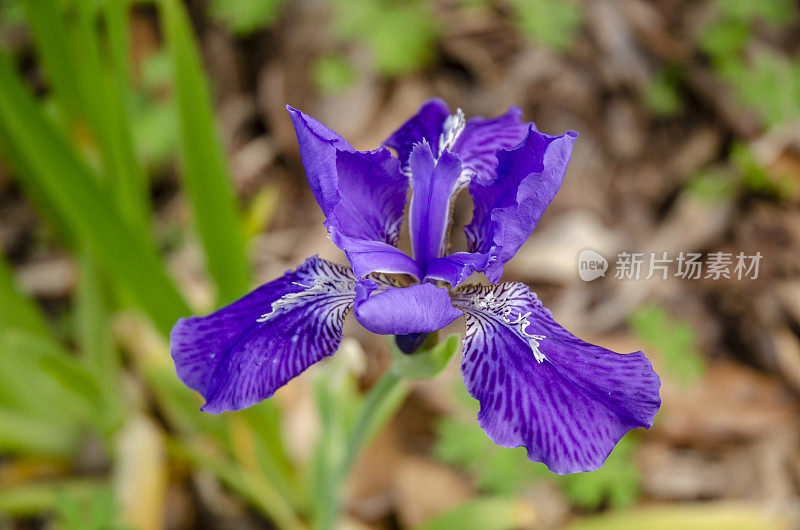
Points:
[[242, 353], [483, 137], [566, 401], [372, 194], [361, 193], [433, 184], [426, 124], [507, 209], [421, 308]]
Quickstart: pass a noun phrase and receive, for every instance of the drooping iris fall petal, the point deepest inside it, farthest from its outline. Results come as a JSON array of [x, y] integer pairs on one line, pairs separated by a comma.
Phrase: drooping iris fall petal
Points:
[[242, 353], [566, 401]]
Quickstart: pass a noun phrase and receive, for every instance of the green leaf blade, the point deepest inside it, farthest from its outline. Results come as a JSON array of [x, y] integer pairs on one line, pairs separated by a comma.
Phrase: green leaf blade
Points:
[[205, 173], [54, 168]]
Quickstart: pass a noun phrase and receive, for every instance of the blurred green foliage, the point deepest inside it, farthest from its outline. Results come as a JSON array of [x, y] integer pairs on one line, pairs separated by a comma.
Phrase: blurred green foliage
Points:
[[551, 23], [83, 148], [243, 17], [155, 114], [332, 74], [399, 35], [744, 172], [662, 96], [97, 512], [674, 339], [713, 185], [764, 81], [758, 178]]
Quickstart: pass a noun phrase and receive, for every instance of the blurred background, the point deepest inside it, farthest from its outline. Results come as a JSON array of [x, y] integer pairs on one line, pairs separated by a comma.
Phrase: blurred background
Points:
[[149, 170]]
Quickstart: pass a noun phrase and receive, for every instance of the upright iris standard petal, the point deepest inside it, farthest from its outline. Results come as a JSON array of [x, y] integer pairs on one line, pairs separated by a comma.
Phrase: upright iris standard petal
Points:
[[318, 147], [361, 193], [477, 145], [566, 401], [507, 209], [433, 184], [372, 196], [474, 142], [365, 223], [244, 352], [421, 308], [426, 125]]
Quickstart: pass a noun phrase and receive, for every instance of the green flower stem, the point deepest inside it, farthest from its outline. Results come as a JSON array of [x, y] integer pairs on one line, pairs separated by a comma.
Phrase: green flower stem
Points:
[[380, 404]]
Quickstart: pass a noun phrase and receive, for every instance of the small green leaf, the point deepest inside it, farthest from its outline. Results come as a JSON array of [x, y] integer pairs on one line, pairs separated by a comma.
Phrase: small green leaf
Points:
[[497, 470], [725, 38], [91, 510], [332, 74], [243, 17], [661, 96], [401, 36], [552, 23], [674, 340], [714, 185], [617, 482]]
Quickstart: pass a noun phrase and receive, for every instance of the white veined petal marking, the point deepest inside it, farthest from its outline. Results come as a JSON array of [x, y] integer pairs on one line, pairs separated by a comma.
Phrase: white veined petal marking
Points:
[[451, 130], [331, 279], [503, 307]]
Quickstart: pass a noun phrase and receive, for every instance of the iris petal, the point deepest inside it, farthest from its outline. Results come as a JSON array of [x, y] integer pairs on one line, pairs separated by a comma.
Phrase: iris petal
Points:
[[361, 193], [477, 145], [566, 401], [318, 147], [426, 125], [375, 256], [433, 184], [456, 268], [242, 353], [507, 209], [421, 308]]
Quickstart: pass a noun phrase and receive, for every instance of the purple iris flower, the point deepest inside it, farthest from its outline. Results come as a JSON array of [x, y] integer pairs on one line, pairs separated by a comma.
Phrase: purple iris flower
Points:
[[566, 401]]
